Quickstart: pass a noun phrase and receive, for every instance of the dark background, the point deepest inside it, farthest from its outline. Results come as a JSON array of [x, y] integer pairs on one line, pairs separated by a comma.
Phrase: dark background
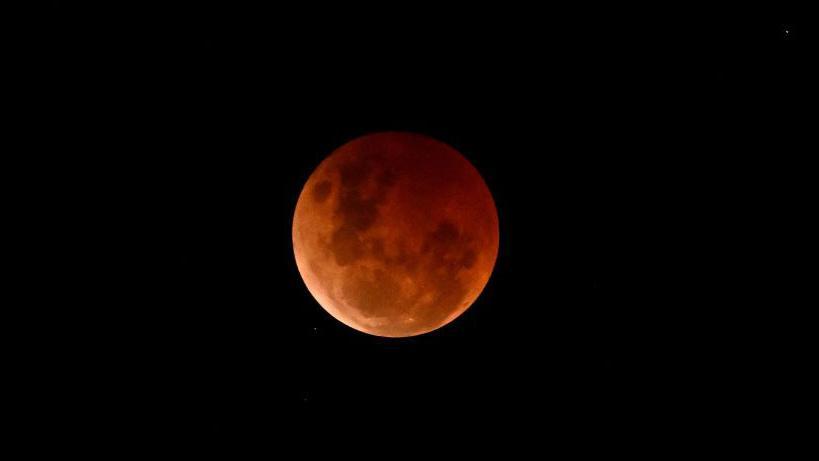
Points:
[[649, 170]]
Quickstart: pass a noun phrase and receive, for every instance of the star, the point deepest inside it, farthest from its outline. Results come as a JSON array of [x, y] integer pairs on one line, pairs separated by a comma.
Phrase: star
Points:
[[786, 31]]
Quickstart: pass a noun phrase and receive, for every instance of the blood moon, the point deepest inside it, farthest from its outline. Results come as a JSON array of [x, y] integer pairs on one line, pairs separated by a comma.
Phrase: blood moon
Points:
[[395, 234]]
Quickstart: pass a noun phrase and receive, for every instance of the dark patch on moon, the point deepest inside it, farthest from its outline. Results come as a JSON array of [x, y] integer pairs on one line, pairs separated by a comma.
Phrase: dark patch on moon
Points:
[[387, 178], [357, 213], [376, 247], [354, 173], [346, 246], [321, 191], [442, 238], [376, 297], [449, 247], [469, 258], [353, 208]]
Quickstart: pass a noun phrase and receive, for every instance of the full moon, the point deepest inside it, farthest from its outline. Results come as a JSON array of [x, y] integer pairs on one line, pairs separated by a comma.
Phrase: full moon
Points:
[[395, 234]]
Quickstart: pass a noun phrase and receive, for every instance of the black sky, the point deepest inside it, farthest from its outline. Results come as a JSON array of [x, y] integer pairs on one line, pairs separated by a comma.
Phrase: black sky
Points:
[[648, 164]]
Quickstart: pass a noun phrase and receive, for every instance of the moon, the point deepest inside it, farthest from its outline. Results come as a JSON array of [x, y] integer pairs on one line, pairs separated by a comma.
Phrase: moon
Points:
[[395, 234]]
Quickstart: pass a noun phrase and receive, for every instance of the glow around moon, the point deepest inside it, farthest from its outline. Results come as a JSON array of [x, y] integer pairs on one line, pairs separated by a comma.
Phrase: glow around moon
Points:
[[395, 234]]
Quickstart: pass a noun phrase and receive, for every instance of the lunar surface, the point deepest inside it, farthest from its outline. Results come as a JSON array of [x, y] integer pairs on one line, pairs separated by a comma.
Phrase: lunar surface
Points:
[[395, 234]]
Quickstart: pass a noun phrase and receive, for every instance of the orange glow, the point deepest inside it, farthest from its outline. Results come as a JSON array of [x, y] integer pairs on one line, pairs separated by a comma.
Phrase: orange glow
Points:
[[395, 234]]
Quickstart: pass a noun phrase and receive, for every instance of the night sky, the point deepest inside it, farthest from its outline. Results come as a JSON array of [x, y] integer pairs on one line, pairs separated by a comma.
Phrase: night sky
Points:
[[648, 166]]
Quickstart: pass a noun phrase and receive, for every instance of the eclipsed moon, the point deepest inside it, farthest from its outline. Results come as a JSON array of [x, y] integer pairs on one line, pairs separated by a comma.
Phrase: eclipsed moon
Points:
[[395, 234]]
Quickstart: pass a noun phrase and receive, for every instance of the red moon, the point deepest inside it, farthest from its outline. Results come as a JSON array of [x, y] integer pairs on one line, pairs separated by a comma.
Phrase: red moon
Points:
[[395, 234]]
